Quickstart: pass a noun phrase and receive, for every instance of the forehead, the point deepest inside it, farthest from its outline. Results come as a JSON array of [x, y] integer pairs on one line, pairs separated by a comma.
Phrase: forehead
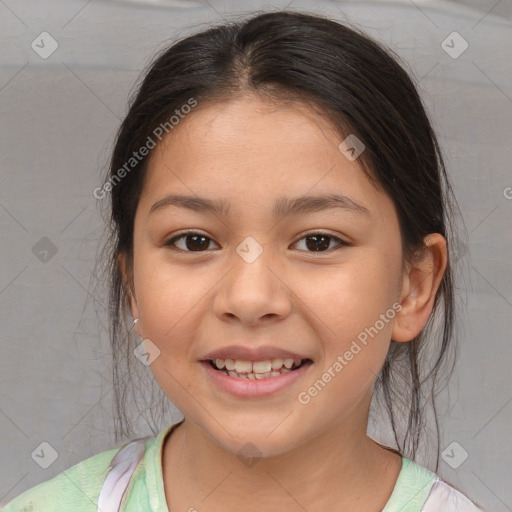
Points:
[[250, 123], [251, 149]]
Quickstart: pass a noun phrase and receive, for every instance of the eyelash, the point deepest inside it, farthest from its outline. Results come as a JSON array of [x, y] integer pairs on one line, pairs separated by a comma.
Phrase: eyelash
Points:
[[169, 243]]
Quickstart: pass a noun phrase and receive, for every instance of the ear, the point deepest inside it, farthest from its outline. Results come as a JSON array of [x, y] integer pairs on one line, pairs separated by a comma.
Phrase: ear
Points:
[[421, 281], [129, 289]]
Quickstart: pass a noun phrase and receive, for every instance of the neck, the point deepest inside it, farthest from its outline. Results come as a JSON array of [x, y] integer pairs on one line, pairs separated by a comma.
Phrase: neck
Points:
[[344, 468]]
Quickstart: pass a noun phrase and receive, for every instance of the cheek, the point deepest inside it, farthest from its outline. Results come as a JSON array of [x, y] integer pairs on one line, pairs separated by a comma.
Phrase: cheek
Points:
[[170, 307], [357, 291], [169, 304], [353, 315], [354, 305]]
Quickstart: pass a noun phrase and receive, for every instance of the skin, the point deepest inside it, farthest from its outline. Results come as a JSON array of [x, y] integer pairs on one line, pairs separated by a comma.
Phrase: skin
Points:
[[251, 151]]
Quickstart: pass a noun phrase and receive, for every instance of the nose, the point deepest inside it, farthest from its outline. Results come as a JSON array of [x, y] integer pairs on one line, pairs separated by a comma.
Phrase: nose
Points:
[[253, 293]]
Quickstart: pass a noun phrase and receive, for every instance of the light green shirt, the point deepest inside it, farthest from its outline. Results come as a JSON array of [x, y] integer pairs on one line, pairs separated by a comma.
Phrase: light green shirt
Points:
[[77, 489]]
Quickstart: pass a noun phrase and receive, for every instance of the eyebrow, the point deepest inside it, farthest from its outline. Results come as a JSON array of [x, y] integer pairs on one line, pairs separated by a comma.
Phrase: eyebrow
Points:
[[283, 206]]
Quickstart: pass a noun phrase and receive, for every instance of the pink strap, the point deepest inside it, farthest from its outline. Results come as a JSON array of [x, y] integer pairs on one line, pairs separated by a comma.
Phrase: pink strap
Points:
[[120, 471]]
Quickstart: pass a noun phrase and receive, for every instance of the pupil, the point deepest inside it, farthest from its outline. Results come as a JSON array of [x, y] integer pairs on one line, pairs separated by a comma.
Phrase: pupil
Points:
[[319, 242], [318, 245], [191, 247]]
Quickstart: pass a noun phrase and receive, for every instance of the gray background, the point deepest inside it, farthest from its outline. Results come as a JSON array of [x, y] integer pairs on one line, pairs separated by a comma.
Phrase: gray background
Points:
[[58, 117]]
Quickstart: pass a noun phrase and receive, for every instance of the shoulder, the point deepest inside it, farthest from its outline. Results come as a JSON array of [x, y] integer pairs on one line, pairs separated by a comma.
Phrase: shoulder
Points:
[[76, 488], [418, 489], [445, 497], [99, 482]]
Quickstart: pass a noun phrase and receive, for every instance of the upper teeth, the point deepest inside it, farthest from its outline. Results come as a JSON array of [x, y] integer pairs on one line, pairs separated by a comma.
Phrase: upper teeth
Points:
[[268, 365]]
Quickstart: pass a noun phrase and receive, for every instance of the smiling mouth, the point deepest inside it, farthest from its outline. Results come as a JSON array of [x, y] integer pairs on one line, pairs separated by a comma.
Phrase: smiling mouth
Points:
[[256, 370]]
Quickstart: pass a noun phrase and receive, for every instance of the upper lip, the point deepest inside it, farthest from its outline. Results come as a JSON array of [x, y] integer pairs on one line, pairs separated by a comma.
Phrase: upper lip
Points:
[[243, 353]]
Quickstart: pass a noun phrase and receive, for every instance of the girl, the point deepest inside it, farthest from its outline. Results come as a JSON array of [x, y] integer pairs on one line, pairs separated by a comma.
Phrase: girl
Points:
[[280, 217]]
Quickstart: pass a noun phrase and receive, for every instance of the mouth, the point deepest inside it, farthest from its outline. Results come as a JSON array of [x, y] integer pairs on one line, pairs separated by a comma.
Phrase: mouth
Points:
[[256, 370]]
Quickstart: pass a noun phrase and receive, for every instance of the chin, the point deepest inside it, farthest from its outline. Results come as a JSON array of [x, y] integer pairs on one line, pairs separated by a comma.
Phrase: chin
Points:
[[250, 441]]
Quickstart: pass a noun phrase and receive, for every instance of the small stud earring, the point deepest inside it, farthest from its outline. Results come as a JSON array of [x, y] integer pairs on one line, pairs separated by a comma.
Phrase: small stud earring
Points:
[[135, 320]]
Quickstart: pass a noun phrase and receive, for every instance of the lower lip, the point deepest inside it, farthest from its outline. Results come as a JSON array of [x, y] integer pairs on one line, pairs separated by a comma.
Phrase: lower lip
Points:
[[248, 388]]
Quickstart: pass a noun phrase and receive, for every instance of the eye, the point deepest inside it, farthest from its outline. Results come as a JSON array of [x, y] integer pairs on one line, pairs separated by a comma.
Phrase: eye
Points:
[[197, 242], [194, 241], [320, 242]]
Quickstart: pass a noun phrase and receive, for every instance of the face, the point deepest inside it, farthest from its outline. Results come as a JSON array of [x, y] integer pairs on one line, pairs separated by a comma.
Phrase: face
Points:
[[257, 282]]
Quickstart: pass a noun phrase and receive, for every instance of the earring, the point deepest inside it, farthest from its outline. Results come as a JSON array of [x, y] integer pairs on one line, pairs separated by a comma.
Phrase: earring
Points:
[[135, 320]]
